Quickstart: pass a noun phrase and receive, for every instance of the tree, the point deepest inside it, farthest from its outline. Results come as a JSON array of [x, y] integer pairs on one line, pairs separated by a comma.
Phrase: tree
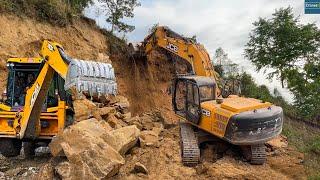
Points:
[[292, 51], [78, 5], [221, 56], [117, 10]]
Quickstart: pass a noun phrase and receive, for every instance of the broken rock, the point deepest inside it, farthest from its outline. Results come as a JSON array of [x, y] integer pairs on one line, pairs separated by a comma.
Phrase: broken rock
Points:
[[63, 170], [278, 142], [45, 173], [83, 109], [134, 121], [89, 155], [124, 138], [150, 138], [115, 122], [123, 104], [140, 168], [105, 111]]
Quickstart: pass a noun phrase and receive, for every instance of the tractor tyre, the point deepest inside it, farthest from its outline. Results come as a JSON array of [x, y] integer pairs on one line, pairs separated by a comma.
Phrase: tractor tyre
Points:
[[69, 119], [29, 149], [10, 147]]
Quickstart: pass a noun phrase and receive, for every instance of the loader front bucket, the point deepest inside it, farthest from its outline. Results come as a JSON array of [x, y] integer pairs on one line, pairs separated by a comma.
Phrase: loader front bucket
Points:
[[94, 78]]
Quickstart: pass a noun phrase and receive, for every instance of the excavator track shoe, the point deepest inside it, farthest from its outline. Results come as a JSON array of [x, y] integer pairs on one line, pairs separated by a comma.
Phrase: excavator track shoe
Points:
[[95, 78], [190, 152], [258, 154]]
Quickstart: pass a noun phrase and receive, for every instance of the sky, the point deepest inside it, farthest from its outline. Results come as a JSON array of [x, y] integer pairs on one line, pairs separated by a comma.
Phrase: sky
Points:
[[216, 23]]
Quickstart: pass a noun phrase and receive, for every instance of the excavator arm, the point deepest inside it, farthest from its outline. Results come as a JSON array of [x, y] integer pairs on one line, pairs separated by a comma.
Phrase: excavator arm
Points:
[[94, 77], [193, 53]]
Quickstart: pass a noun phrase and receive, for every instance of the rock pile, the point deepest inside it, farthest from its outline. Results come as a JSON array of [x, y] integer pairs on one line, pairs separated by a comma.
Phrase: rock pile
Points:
[[96, 144]]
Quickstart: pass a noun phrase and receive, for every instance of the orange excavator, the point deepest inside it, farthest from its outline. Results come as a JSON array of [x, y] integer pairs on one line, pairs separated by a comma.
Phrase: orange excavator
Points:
[[205, 115]]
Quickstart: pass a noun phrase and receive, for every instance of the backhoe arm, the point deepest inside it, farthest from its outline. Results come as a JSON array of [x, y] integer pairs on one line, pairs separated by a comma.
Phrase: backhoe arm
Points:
[[35, 97], [98, 80]]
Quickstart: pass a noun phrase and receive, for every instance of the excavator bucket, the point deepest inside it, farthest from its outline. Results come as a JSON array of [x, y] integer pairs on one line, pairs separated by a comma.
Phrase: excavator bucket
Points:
[[94, 78]]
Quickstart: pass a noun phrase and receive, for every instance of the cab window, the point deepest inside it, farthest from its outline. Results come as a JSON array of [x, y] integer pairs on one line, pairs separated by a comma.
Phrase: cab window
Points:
[[180, 96], [206, 93]]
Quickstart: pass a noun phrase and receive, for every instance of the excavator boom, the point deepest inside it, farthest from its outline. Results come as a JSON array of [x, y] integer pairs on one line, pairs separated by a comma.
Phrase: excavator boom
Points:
[[194, 54]]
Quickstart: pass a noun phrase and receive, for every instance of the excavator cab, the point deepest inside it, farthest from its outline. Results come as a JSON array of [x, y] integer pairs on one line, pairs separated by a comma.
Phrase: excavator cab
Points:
[[189, 93]]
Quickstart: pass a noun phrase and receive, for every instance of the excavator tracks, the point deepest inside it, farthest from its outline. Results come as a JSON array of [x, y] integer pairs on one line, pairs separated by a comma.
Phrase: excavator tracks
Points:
[[258, 154], [190, 151]]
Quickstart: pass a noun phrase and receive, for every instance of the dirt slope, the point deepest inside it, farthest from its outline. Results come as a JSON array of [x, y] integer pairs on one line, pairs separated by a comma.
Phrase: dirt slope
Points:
[[23, 37], [163, 162], [145, 85]]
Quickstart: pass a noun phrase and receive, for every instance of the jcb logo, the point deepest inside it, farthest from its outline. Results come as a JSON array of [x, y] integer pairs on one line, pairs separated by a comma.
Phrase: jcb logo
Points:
[[34, 95], [50, 47], [172, 47], [206, 112]]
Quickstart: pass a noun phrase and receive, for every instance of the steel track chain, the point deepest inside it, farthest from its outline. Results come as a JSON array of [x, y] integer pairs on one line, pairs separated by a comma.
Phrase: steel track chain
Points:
[[190, 151], [258, 154]]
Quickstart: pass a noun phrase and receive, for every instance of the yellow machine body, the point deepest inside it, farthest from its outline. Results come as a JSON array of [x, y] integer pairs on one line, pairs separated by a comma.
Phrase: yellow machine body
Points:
[[217, 121], [12, 122]]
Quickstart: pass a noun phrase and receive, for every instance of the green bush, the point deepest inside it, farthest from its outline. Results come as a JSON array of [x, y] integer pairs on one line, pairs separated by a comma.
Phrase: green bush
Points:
[[314, 146], [250, 89], [52, 11], [58, 12]]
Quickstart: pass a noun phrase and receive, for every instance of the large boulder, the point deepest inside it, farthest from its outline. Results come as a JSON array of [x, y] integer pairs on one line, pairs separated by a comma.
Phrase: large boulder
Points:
[[86, 130], [89, 154], [124, 138], [83, 108]]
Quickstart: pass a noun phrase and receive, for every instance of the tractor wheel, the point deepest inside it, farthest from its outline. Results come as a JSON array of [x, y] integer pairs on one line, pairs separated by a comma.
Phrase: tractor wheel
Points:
[[69, 119], [10, 147], [29, 149]]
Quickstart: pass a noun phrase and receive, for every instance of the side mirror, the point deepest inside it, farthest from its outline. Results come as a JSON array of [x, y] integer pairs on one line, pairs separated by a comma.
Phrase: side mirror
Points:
[[4, 93]]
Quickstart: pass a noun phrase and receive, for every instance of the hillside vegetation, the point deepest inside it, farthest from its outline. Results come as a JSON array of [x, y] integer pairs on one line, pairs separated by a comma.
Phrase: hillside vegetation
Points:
[[58, 12], [303, 137]]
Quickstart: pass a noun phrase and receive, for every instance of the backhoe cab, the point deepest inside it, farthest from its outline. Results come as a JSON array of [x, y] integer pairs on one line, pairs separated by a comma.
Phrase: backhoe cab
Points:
[[240, 121]]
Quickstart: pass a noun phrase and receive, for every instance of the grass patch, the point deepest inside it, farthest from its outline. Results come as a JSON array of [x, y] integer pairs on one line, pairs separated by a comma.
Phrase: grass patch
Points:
[[306, 140], [57, 12], [314, 146]]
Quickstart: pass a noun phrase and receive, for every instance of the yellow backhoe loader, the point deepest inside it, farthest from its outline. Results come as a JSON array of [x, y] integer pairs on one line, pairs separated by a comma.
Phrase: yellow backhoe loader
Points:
[[240, 121], [37, 104]]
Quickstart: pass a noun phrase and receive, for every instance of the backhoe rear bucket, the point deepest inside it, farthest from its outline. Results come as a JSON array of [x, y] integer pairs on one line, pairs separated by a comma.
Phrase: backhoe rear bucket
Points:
[[94, 78]]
